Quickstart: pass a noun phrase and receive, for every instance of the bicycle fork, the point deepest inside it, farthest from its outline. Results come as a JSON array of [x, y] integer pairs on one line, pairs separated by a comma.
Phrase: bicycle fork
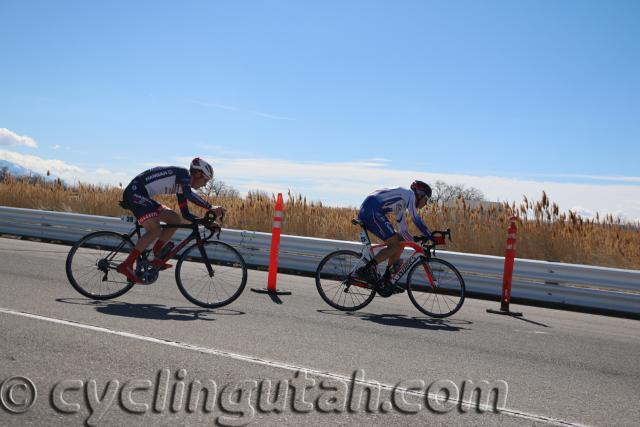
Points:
[[416, 257], [205, 258]]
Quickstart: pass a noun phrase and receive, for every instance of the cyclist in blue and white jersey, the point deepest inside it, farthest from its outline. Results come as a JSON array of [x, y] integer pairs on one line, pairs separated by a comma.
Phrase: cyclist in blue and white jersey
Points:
[[163, 180], [373, 214]]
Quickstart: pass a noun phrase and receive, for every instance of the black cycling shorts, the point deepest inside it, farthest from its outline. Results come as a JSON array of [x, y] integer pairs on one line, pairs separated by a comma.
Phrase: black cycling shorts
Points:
[[142, 206]]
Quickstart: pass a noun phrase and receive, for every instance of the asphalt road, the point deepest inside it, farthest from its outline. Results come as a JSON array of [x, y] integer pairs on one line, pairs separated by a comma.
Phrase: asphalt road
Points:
[[140, 359]]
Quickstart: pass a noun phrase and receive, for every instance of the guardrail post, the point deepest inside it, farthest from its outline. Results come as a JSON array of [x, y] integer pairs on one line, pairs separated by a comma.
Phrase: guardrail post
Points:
[[509, 259], [275, 248]]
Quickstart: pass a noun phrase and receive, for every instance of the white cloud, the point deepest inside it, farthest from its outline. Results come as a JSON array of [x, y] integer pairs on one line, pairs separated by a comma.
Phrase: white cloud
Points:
[[68, 172], [347, 183], [41, 166], [106, 173], [8, 137], [55, 147], [618, 178]]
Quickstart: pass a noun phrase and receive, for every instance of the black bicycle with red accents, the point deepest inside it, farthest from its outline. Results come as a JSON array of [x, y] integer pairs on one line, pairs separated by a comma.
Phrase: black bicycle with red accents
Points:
[[209, 273]]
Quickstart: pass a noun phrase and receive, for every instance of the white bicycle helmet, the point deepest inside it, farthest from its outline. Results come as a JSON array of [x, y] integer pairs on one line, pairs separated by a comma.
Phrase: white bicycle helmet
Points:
[[200, 165]]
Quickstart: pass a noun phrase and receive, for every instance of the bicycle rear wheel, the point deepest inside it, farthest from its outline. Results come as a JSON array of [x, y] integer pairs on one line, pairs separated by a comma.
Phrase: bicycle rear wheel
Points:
[[335, 285], [92, 261], [446, 297], [218, 287]]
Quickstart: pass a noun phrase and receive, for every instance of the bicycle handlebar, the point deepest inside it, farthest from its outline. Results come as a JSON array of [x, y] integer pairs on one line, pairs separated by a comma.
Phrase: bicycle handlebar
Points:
[[209, 221], [437, 238]]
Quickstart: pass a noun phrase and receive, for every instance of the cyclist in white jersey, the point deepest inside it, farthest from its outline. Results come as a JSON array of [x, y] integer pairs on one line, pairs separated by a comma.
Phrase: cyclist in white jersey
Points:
[[373, 214]]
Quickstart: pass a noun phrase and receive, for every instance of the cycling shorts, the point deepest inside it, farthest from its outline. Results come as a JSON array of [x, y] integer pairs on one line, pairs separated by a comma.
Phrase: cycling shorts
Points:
[[374, 219], [142, 206]]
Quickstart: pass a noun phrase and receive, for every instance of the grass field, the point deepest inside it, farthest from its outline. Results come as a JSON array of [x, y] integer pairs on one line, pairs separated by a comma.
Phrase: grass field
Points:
[[544, 232]]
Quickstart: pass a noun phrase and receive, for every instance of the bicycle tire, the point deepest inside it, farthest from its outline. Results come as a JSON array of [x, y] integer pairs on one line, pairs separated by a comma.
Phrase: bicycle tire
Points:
[[449, 294], [106, 260], [331, 275], [229, 268]]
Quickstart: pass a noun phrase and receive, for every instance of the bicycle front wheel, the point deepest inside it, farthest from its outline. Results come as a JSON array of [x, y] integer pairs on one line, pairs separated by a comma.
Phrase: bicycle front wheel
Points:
[[333, 280], [446, 295], [92, 261], [211, 275]]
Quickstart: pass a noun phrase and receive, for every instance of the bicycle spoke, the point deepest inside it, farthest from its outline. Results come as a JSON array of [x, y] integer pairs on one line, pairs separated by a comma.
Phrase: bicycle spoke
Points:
[[331, 277], [83, 261], [441, 300], [223, 287]]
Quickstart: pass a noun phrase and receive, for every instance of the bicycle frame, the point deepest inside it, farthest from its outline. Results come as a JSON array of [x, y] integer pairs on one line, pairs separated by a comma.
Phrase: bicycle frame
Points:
[[195, 234], [417, 256]]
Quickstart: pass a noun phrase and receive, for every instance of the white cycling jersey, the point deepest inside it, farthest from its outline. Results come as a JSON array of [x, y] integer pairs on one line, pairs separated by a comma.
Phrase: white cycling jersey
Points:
[[397, 201]]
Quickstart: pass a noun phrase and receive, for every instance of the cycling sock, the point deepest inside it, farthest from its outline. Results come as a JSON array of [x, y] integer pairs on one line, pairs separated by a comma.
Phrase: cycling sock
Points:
[[132, 257], [156, 248]]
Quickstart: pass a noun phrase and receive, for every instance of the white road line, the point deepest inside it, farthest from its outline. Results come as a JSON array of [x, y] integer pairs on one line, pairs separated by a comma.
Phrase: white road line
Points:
[[275, 364]]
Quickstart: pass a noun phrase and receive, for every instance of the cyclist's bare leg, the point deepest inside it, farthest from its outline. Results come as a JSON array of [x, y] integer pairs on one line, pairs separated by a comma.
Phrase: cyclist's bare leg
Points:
[[393, 251], [152, 228], [152, 232], [170, 217]]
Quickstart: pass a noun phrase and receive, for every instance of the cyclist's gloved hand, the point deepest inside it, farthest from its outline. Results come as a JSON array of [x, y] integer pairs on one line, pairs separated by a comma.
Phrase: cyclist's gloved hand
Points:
[[219, 211]]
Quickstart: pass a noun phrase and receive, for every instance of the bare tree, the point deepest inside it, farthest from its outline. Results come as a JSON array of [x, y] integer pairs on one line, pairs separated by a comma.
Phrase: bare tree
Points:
[[217, 188], [472, 193], [443, 192]]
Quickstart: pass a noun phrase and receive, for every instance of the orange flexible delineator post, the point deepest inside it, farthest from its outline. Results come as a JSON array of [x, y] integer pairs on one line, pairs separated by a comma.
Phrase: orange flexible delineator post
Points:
[[275, 249], [509, 259]]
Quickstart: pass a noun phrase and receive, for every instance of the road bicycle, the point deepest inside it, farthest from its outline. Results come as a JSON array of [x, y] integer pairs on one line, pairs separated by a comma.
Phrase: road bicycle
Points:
[[435, 286], [209, 273]]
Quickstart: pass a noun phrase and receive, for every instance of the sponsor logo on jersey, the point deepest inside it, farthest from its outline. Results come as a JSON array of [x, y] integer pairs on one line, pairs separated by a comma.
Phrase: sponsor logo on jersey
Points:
[[158, 175]]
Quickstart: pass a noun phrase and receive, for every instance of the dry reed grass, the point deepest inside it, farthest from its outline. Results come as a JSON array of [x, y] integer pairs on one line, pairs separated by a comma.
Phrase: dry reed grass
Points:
[[544, 232]]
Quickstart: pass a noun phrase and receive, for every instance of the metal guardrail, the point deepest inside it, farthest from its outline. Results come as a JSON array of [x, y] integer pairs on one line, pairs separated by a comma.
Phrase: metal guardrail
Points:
[[559, 284]]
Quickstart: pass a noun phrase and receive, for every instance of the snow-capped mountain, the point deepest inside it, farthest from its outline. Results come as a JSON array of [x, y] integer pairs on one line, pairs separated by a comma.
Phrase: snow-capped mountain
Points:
[[17, 170]]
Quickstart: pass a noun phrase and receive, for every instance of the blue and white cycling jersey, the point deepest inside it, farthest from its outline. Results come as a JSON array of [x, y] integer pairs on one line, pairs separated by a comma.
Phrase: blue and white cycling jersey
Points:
[[391, 200]]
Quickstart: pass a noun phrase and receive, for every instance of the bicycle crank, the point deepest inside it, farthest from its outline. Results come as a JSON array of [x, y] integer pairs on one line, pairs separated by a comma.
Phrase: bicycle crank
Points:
[[147, 272]]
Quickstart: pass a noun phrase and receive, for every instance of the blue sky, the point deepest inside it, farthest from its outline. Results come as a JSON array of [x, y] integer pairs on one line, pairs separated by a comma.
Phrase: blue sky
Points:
[[332, 99]]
